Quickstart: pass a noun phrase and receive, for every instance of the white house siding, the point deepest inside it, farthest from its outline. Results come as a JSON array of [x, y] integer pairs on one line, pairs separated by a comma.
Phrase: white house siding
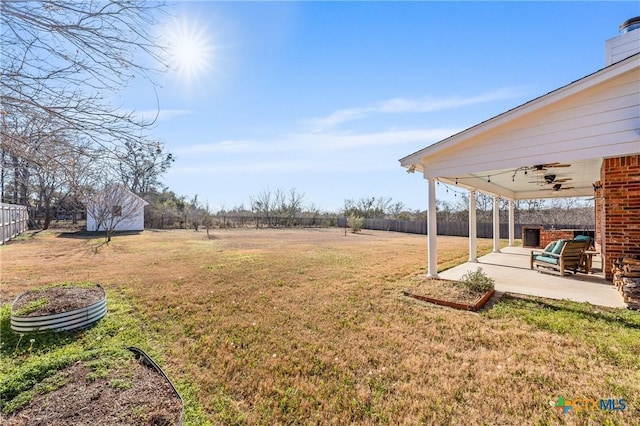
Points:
[[91, 223], [133, 223], [621, 47], [132, 219], [599, 121]]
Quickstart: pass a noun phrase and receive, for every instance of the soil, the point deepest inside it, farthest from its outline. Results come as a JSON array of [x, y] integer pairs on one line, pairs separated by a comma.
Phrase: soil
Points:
[[131, 395], [443, 289], [59, 299]]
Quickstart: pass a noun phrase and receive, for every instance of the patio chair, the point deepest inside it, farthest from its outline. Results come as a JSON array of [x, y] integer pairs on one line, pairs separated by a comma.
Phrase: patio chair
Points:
[[585, 238], [561, 256]]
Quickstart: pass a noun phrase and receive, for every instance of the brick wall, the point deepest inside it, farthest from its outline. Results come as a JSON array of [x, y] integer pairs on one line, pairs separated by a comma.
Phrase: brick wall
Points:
[[548, 235], [619, 210]]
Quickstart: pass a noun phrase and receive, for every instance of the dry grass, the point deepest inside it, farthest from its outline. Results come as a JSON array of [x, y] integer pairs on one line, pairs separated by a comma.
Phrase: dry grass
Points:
[[310, 326]]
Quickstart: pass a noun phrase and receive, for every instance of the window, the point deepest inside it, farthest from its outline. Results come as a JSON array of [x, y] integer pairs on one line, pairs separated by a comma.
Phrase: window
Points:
[[116, 211]]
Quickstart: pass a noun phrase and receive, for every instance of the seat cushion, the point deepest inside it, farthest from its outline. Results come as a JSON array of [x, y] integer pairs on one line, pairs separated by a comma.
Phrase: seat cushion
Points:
[[558, 247], [550, 246], [582, 238], [547, 259]]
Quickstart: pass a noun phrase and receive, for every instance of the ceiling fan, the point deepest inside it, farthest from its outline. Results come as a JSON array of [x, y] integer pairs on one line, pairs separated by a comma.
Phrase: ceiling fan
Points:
[[542, 168], [549, 179], [558, 187]]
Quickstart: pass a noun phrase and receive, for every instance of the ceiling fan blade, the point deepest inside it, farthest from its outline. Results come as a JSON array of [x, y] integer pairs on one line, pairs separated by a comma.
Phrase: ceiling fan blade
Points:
[[549, 181], [549, 166]]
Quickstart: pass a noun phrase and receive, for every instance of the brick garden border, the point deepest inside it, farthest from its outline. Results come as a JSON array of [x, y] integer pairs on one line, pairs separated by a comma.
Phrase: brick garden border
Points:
[[456, 305]]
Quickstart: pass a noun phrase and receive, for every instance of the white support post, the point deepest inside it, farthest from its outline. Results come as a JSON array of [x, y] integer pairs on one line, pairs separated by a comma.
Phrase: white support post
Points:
[[496, 225], [512, 223], [432, 231], [473, 230]]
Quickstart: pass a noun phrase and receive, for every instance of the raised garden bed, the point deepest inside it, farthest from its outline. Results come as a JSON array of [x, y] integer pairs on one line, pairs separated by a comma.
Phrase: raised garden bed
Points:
[[95, 381], [134, 393], [59, 308], [448, 293]]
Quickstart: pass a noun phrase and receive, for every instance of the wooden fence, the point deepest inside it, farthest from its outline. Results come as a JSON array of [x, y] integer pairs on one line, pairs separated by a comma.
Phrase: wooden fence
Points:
[[458, 229], [14, 221]]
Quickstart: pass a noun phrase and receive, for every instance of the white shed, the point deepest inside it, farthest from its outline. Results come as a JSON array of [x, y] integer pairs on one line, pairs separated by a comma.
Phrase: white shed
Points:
[[115, 208]]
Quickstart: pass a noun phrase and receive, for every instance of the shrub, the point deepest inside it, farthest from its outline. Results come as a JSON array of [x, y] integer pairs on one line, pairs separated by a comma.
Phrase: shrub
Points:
[[477, 281], [355, 223]]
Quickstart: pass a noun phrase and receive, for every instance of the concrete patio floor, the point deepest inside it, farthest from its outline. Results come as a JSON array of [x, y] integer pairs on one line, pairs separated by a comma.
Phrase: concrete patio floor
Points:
[[511, 272]]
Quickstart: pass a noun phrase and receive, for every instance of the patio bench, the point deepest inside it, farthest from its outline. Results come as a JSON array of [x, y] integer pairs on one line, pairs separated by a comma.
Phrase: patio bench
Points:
[[561, 256]]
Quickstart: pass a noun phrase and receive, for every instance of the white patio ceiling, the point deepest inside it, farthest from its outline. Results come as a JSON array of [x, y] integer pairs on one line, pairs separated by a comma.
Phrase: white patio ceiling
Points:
[[530, 182]]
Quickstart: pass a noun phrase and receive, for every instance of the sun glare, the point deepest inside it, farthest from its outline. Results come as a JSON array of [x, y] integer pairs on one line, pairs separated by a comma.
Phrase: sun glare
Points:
[[190, 49]]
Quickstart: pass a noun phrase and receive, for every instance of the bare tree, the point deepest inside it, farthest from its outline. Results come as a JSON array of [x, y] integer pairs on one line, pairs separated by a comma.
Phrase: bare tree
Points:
[[368, 207], [207, 219], [64, 60], [35, 152], [197, 213], [264, 204], [278, 204], [50, 166], [112, 207], [396, 209], [289, 205], [141, 163]]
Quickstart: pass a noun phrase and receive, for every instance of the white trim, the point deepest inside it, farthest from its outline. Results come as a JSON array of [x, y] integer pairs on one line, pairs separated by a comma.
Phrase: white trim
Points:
[[432, 231], [473, 229], [511, 223], [496, 224]]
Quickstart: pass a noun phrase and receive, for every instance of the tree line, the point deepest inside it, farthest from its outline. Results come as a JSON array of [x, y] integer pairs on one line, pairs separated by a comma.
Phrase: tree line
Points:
[[288, 208]]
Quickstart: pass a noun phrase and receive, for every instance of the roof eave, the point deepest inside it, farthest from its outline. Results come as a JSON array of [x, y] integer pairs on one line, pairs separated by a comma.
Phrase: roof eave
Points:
[[585, 82]]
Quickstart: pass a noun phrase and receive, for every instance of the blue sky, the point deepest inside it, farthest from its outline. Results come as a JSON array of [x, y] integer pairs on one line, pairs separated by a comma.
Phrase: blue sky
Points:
[[325, 97]]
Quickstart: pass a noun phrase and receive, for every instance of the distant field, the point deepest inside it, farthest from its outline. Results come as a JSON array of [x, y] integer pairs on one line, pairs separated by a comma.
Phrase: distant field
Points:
[[310, 327]]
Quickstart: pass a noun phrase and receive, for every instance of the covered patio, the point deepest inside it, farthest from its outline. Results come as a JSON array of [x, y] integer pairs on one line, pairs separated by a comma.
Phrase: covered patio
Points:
[[580, 140], [511, 273]]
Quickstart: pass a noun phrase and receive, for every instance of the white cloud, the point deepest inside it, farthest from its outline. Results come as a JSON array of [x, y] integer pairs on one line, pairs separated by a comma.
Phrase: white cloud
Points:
[[337, 141], [227, 147], [325, 148], [306, 143], [325, 136], [404, 105], [307, 152], [154, 115], [281, 165]]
